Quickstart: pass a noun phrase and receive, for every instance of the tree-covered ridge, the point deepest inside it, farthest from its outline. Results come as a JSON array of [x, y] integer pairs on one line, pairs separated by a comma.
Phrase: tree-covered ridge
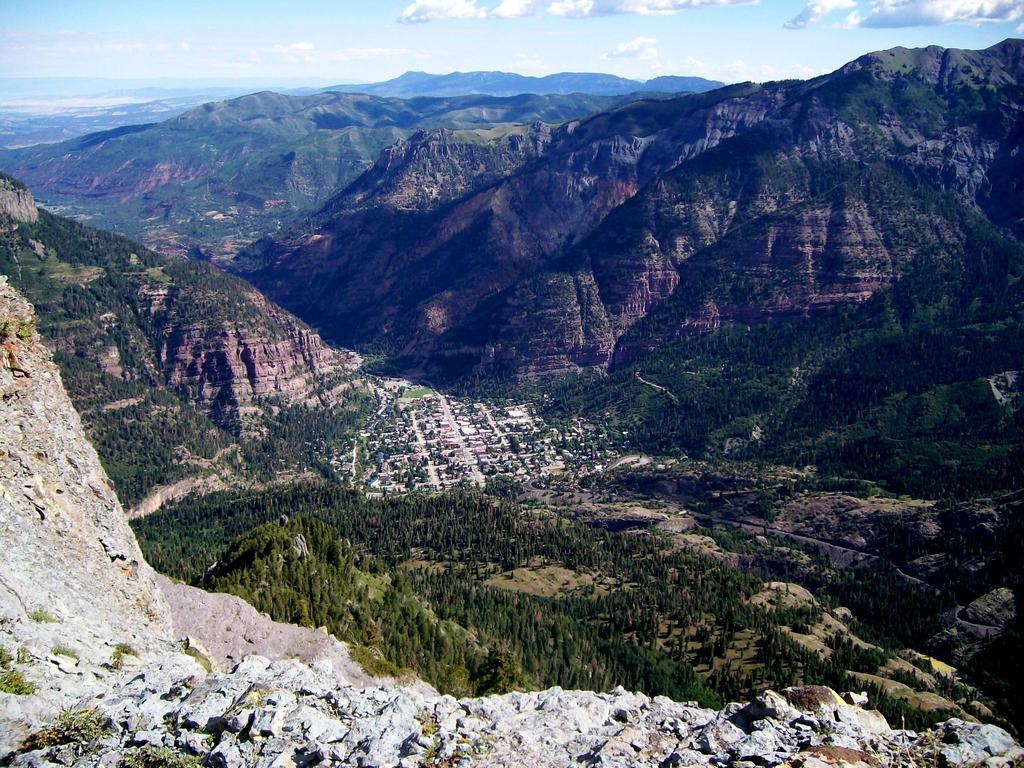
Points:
[[301, 571], [74, 272], [112, 310], [895, 389], [644, 614]]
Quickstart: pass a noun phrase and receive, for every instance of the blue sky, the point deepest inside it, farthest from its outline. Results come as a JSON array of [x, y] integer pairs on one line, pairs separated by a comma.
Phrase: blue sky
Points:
[[348, 40]]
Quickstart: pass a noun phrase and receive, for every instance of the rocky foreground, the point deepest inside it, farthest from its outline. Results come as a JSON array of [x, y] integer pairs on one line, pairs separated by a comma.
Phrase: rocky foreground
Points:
[[286, 713], [100, 664]]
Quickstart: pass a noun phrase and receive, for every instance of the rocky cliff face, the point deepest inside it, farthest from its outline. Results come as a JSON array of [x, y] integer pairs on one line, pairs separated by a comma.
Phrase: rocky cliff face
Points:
[[173, 323], [66, 538], [71, 574], [234, 365], [16, 202], [554, 265]]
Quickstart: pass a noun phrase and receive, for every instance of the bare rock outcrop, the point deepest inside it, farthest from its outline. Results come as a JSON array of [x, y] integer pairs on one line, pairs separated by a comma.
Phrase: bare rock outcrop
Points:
[[232, 365], [265, 713], [16, 201], [72, 576]]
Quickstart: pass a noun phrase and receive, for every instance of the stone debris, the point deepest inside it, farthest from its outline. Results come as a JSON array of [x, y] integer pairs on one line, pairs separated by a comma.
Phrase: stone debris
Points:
[[268, 713]]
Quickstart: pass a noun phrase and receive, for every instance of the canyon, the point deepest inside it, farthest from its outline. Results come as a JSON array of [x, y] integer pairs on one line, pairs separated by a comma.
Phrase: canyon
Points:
[[105, 677]]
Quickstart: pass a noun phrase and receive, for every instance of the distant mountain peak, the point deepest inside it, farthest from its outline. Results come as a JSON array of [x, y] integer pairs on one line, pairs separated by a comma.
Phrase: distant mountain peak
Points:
[[498, 83]]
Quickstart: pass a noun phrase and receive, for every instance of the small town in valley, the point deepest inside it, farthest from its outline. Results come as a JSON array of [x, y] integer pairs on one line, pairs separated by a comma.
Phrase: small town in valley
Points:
[[423, 440]]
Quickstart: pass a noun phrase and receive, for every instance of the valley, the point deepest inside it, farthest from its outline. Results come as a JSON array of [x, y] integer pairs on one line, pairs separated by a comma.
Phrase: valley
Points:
[[697, 393]]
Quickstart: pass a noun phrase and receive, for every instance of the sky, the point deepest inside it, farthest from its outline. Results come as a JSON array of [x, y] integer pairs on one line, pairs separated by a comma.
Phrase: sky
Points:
[[324, 41]]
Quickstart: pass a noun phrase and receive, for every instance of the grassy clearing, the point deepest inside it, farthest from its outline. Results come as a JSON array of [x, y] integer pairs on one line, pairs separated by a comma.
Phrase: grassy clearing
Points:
[[416, 393], [158, 275], [923, 700], [543, 581]]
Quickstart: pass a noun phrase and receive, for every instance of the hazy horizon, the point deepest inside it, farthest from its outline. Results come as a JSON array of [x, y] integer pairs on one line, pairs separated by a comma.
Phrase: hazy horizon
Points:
[[317, 42]]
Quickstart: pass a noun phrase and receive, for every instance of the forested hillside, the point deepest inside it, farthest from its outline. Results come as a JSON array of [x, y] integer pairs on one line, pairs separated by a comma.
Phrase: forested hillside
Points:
[[632, 609], [172, 363], [901, 389]]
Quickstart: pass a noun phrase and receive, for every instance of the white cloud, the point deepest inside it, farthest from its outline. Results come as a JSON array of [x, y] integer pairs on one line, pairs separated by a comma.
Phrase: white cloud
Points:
[[293, 47], [308, 53], [853, 20], [295, 52], [431, 10], [513, 9], [361, 54], [641, 48], [816, 10], [584, 8], [915, 13]]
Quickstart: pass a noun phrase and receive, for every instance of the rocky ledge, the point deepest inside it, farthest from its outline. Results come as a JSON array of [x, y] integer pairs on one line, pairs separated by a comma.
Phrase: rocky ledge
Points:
[[286, 713]]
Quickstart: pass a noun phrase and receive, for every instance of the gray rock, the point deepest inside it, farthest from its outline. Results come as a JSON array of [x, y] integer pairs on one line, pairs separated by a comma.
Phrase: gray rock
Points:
[[717, 738], [970, 744]]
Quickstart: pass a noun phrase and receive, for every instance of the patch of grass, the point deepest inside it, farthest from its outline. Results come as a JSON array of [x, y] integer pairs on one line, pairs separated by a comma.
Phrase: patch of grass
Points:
[[24, 332], [373, 662], [5, 658], [82, 728], [63, 650], [158, 757], [200, 658], [43, 617], [432, 753], [158, 275], [416, 393], [13, 682], [543, 581], [120, 651]]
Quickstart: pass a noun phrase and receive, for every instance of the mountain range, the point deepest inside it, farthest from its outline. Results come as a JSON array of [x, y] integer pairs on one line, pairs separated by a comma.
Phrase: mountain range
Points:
[[413, 84], [45, 110], [223, 174], [621, 207], [686, 236]]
